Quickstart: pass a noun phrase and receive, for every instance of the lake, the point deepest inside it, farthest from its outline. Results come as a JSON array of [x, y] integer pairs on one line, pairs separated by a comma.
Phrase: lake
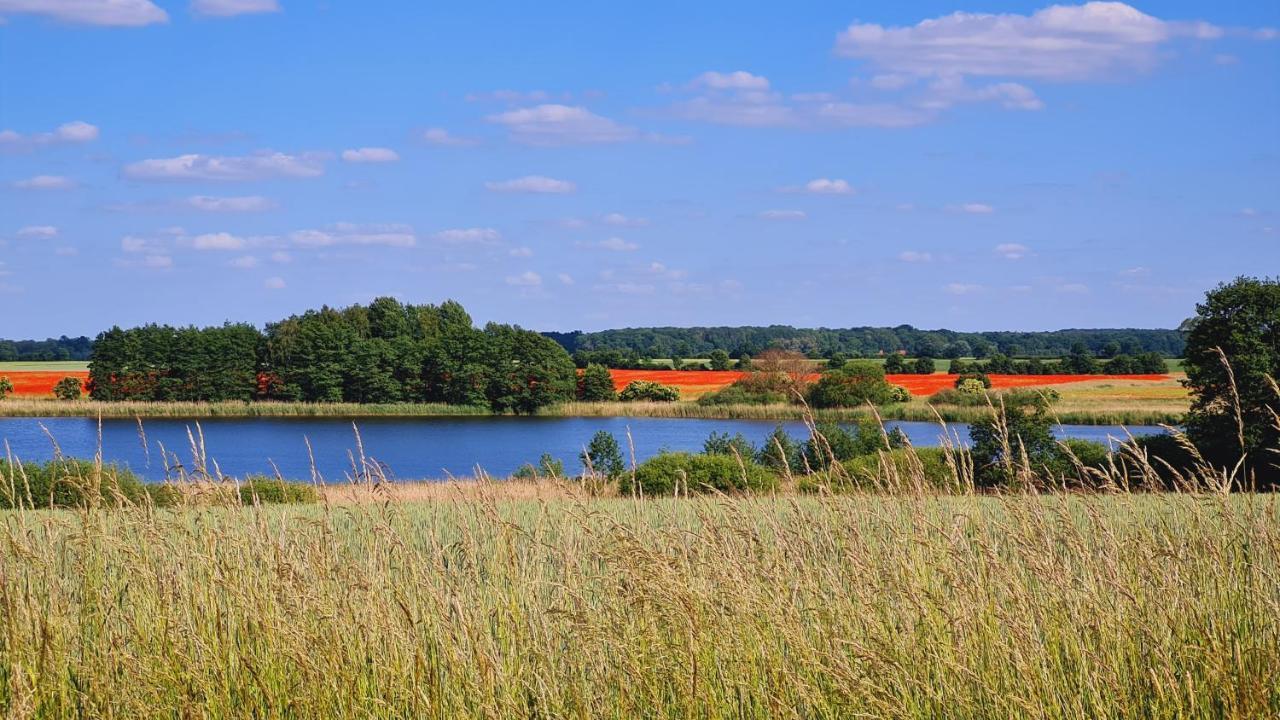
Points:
[[410, 448]]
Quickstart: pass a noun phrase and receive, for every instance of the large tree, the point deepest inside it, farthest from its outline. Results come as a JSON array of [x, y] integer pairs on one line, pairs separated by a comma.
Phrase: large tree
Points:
[[1234, 405]]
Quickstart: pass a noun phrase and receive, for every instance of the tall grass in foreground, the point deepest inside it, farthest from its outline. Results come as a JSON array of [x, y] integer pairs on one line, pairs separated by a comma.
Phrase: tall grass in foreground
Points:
[[911, 606]]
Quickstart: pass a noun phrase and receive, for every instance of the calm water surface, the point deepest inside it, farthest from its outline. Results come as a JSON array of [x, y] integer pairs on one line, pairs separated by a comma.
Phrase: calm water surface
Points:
[[410, 448]]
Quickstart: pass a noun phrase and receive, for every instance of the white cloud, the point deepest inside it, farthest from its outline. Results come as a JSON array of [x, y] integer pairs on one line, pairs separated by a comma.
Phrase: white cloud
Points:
[[217, 241], [230, 8], [117, 13], [261, 166], [565, 278], [46, 182], [561, 125], [737, 80], [521, 252], [76, 131], [244, 262], [133, 244], [528, 278], [1012, 251], [617, 244], [1061, 42], [533, 184], [274, 283], [824, 186], [440, 136], [350, 234], [621, 220], [509, 96], [783, 215], [370, 155], [961, 288], [469, 236], [952, 90], [914, 256], [38, 231], [247, 203], [973, 208]]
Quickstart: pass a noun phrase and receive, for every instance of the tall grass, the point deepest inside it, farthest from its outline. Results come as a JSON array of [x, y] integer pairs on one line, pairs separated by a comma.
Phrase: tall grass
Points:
[[1023, 606]]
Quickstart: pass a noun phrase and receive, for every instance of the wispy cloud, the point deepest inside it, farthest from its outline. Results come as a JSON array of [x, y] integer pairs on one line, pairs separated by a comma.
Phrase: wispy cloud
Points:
[[231, 8], [76, 131], [537, 184], [262, 166], [370, 155], [242, 204], [443, 138], [108, 13], [783, 215], [45, 182], [562, 125]]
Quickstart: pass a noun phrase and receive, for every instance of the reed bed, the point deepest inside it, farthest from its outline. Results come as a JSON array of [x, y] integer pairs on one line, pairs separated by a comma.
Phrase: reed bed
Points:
[[25, 407]]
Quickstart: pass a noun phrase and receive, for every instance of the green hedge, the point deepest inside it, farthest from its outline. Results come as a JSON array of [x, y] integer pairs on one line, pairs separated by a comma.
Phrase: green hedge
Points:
[[663, 474], [70, 483]]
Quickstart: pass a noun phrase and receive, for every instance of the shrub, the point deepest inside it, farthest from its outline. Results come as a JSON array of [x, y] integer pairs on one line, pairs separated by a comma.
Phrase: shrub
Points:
[[68, 388], [972, 381], [1023, 427], [596, 384], [1167, 458], [928, 465], [646, 390], [274, 491], [899, 394], [667, 472], [548, 468], [742, 393], [781, 453], [69, 483], [719, 360], [857, 383], [6, 387], [831, 440], [725, 444], [923, 365]]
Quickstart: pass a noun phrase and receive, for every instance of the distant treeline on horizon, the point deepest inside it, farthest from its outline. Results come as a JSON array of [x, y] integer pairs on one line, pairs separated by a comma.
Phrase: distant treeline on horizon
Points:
[[666, 342]]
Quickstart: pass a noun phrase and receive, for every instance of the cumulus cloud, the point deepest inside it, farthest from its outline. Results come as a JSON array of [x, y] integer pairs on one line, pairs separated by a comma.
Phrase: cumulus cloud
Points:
[[565, 278], [617, 244], [469, 236], [621, 220], [76, 131], [1061, 42], [528, 278], [914, 256], [737, 80], [45, 182], [826, 186], [1012, 251], [110, 13], [261, 166], [783, 215], [247, 203], [442, 137], [38, 231], [217, 241], [370, 155], [561, 125], [539, 184], [274, 283], [973, 208], [231, 8], [390, 235]]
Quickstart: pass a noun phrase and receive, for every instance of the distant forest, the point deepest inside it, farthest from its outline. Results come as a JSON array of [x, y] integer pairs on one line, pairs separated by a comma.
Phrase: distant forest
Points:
[[665, 342], [63, 348]]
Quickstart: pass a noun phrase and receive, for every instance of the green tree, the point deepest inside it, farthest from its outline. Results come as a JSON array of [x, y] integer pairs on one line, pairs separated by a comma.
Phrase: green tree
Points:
[[857, 383], [68, 388], [596, 385], [1240, 320], [719, 360], [923, 365], [603, 456], [1024, 428], [6, 387], [646, 390], [895, 364], [528, 370]]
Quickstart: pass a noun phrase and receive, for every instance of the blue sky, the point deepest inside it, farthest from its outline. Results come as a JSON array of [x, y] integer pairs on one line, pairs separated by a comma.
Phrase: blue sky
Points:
[[989, 165]]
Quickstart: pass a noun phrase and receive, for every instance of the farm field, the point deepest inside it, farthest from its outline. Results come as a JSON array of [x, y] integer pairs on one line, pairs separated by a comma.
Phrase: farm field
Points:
[[489, 600]]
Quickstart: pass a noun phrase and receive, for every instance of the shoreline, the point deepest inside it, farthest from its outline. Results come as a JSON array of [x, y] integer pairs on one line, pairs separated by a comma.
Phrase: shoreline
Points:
[[1068, 413]]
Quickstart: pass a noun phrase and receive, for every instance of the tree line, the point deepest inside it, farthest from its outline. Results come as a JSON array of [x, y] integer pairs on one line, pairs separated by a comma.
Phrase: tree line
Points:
[[385, 352], [62, 348], [636, 344]]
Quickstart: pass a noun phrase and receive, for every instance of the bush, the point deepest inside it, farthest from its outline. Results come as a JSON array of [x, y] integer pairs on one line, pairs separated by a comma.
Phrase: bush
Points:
[[68, 388], [6, 387], [973, 382], [719, 360], [741, 393], [603, 456], [922, 366], [899, 394], [274, 491], [868, 472], [725, 444], [857, 383], [639, 390], [548, 468], [865, 438], [1168, 458], [69, 483], [781, 453], [664, 474]]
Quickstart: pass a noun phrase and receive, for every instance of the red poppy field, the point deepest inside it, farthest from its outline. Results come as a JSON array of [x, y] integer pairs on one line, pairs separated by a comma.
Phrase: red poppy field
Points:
[[33, 383], [693, 383]]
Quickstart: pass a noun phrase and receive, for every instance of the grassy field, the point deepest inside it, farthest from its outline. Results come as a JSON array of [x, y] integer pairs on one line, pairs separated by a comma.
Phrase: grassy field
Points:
[[493, 604], [53, 366]]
